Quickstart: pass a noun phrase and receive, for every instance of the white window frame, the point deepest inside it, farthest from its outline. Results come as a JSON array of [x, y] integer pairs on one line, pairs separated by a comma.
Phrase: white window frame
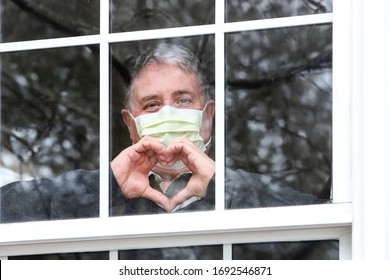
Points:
[[358, 146]]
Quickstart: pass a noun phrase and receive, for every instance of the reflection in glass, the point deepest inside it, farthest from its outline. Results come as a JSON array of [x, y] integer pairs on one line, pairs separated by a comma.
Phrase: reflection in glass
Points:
[[43, 19], [49, 125], [145, 15], [279, 113], [241, 10], [123, 58], [304, 250], [176, 253]]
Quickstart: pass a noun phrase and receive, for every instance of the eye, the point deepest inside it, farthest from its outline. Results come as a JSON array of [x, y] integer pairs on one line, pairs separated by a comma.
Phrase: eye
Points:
[[152, 106], [183, 102]]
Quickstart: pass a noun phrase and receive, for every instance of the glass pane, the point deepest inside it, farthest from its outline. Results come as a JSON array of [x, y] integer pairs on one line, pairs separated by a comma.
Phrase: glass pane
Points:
[[241, 10], [178, 253], [154, 14], [303, 250], [43, 19], [65, 256], [49, 125], [123, 58], [279, 117]]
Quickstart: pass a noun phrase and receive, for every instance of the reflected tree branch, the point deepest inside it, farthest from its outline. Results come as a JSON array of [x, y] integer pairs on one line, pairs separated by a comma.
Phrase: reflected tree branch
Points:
[[45, 15], [44, 96], [322, 62]]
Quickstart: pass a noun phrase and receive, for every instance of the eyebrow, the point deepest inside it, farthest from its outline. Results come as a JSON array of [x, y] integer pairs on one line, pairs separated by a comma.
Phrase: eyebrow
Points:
[[149, 97], [184, 91], [157, 96], [153, 96]]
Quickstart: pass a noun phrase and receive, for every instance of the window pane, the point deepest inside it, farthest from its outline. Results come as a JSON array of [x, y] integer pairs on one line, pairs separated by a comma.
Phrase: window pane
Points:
[[179, 253], [49, 125], [65, 256], [304, 250], [240, 10], [279, 117], [144, 15], [42, 19], [123, 58]]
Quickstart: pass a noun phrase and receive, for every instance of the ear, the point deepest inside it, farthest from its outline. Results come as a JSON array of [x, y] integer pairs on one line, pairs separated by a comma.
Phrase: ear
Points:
[[126, 117], [131, 126], [207, 120], [209, 111]]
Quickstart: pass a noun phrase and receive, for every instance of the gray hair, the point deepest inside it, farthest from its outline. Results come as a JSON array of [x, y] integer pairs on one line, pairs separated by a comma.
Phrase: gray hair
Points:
[[172, 54]]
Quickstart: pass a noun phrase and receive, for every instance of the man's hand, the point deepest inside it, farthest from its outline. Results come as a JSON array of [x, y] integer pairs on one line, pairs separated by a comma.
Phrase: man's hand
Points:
[[131, 169], [132, 166], [201, 166]]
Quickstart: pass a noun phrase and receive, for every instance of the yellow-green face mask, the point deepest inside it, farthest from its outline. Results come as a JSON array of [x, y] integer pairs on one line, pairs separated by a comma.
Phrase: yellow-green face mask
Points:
[[171, 123]]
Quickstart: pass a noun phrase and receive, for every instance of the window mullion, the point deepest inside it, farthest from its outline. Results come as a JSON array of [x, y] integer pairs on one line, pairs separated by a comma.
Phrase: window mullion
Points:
[[227, 251], [220, 108], [345, 246], [104, 130], [342, 95], [114, 255], [104, 110]]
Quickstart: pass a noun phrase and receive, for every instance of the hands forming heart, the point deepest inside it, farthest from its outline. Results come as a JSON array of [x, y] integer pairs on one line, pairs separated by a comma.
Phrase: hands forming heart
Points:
[[132, 166]]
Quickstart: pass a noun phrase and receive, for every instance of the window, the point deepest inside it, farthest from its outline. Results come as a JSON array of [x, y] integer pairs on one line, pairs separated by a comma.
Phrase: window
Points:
[[281, 77]]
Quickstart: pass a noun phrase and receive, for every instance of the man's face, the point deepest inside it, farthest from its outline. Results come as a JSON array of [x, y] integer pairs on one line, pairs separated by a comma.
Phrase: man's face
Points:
[[160, 85]]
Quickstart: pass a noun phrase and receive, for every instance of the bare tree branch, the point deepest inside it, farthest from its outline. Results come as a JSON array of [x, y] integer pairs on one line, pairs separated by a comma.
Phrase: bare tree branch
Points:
[[320, 63]]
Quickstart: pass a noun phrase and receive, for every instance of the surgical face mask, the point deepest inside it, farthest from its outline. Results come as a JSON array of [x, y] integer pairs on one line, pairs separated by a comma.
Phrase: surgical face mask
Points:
[[171, 123]]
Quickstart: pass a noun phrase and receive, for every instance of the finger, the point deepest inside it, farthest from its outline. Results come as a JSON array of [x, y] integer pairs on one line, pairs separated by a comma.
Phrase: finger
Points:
[[196, 187], [152, 148], [179, 144], [182, 197], [157, 197], [149, 144], [179, 198], [179, 149]]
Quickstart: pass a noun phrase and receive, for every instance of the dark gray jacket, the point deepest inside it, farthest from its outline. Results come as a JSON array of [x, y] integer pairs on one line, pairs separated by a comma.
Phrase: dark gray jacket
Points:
[[75, 194]]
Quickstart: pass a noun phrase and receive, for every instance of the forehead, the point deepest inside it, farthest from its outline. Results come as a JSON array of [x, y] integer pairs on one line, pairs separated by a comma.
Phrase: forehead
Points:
[[163, 77]]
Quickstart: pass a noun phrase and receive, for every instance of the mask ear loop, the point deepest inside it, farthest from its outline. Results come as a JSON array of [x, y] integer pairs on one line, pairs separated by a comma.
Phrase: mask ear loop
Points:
[[136, 124], [205, 106], [130, 115], [208, 143]]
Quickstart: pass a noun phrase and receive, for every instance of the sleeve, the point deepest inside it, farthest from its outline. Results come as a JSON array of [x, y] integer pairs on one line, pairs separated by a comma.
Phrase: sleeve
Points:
[[74, 194]]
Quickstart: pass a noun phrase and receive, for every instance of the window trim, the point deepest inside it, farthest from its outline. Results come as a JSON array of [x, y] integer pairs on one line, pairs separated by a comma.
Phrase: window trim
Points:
[[371, 120]]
